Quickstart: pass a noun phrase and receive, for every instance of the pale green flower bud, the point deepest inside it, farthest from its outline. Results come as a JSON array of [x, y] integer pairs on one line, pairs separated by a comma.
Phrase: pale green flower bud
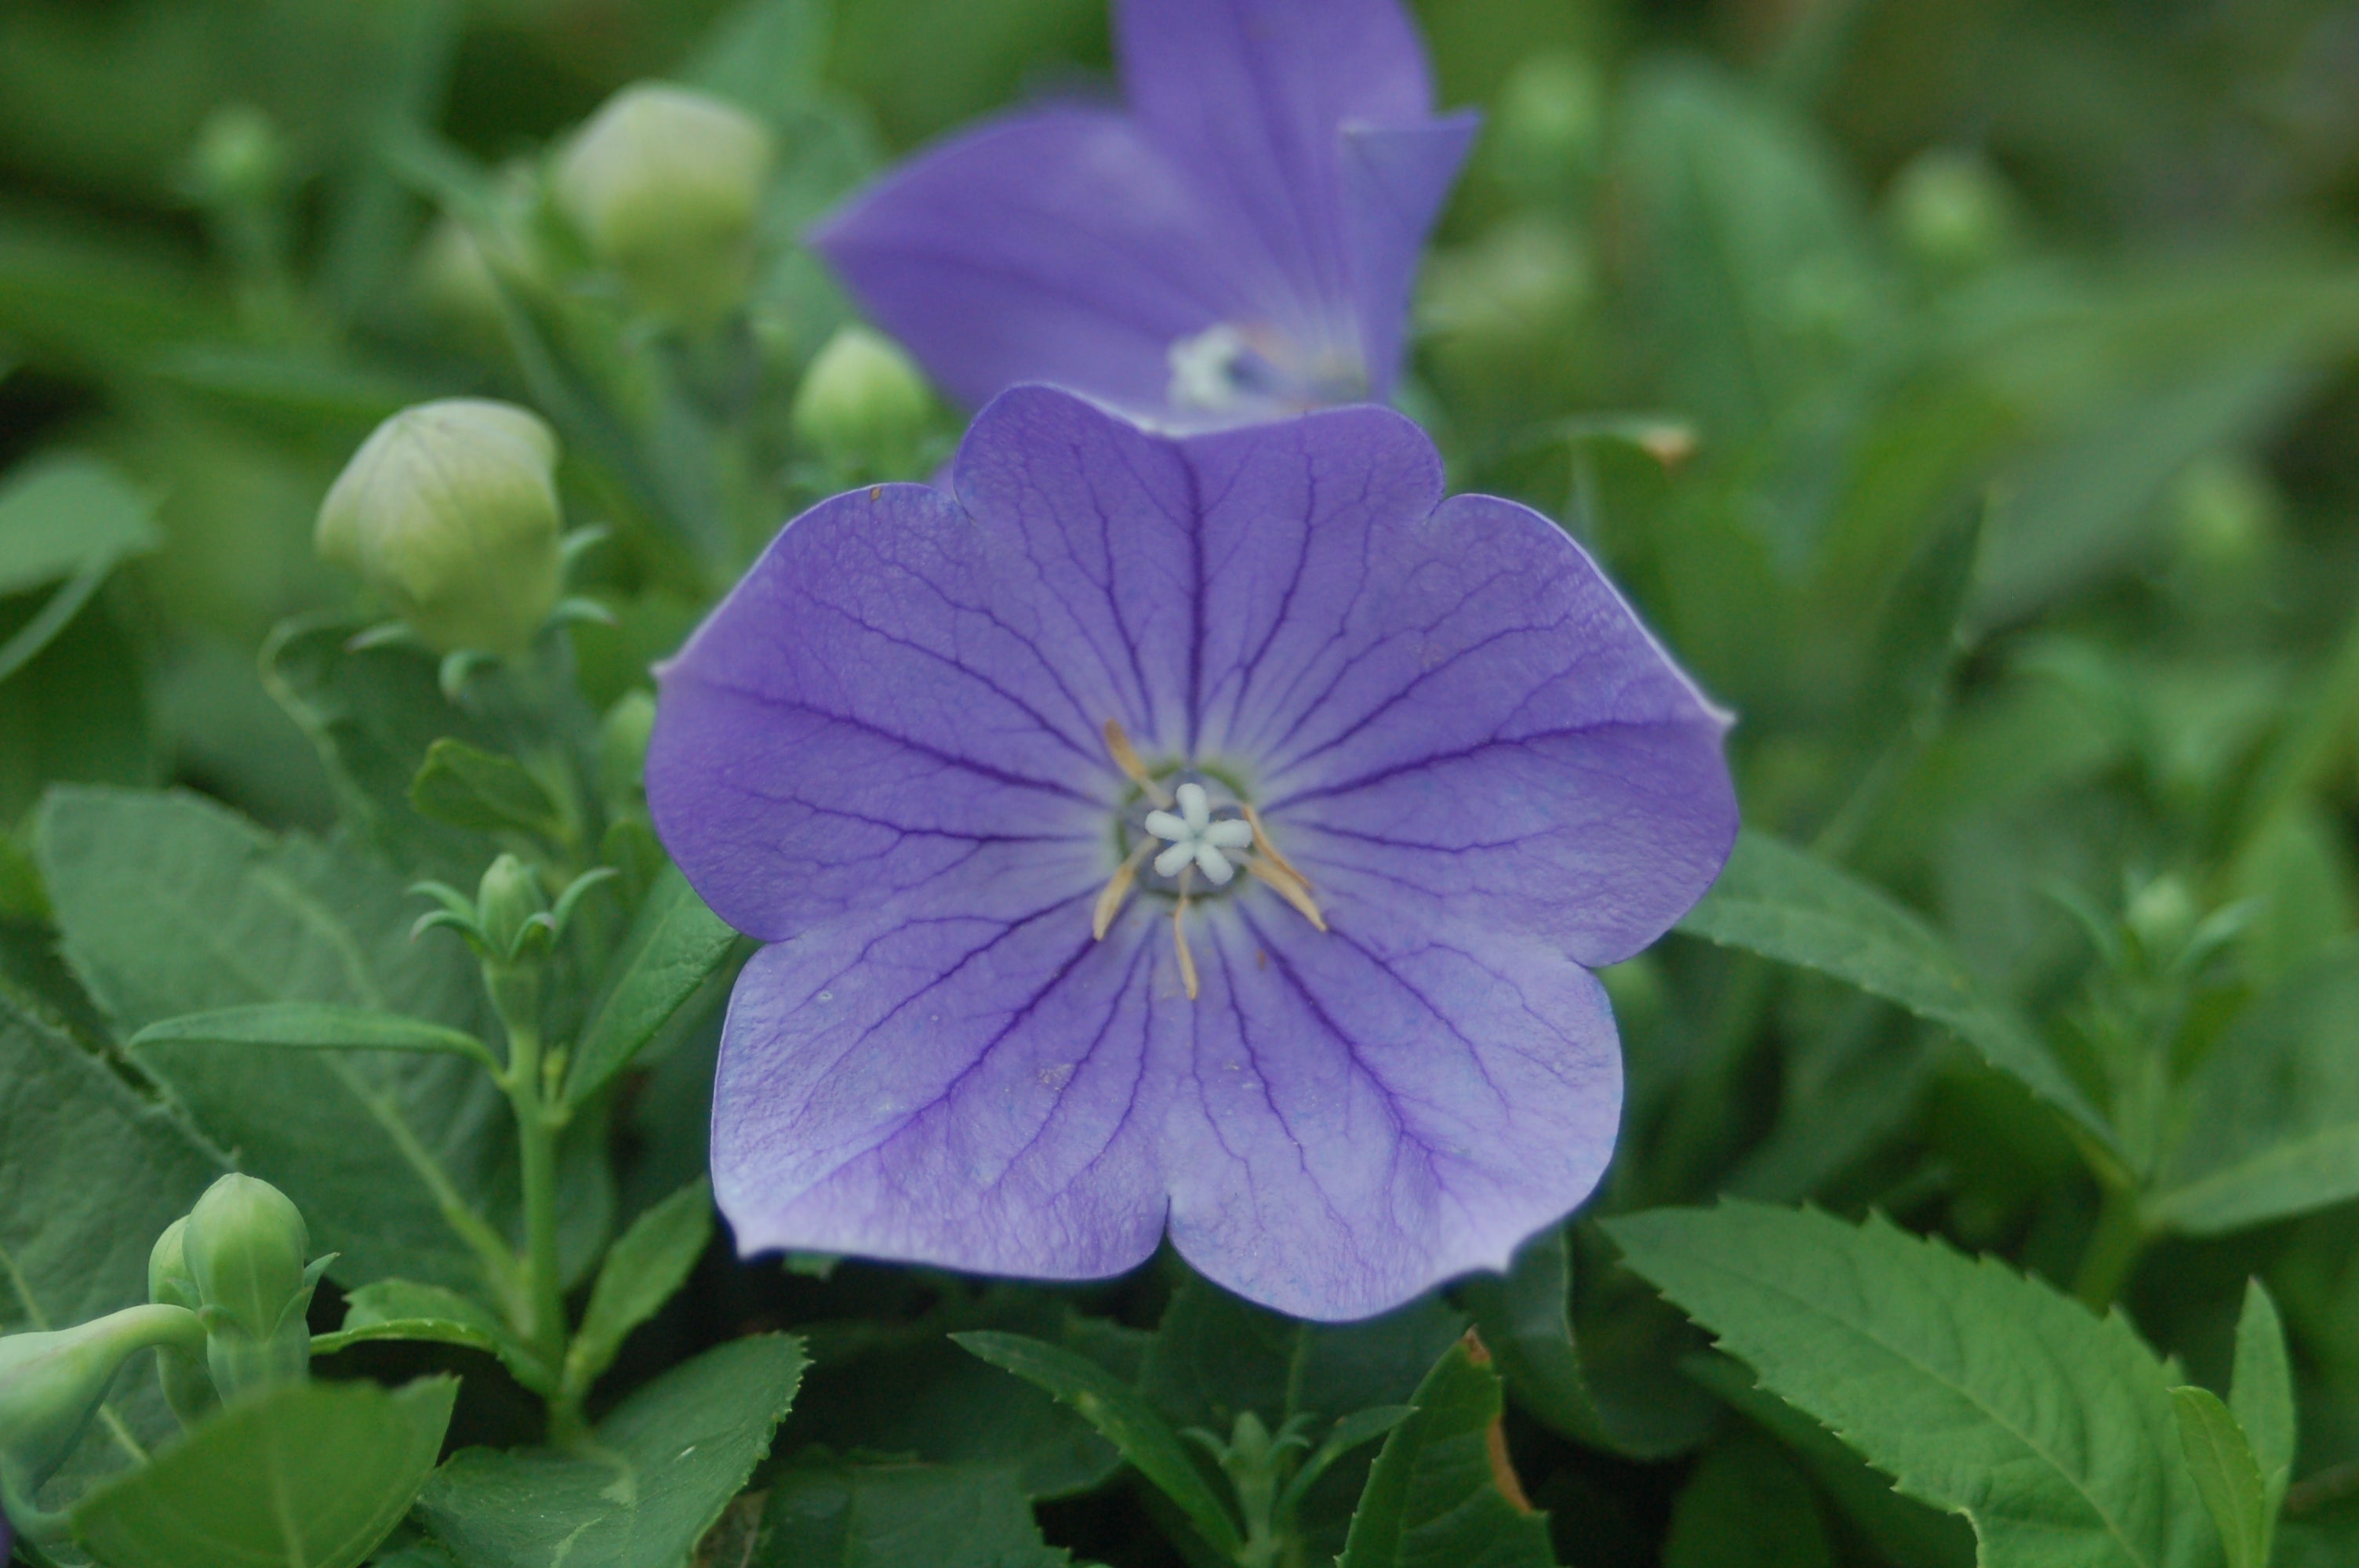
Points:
[[507, 897], [239, 159], [188, 1387], [1551, 121], [245, 1246], [450, 511], [863, 400], [52, 1384], [1952, 210], [623, 738], [666, 187]]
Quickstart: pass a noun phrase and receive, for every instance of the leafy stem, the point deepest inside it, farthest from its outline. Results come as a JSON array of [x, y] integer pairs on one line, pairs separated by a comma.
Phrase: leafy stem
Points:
[[541, 1115]]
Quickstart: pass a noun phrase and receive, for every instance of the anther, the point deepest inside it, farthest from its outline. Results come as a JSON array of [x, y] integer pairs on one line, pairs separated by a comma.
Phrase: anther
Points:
[[1289, 887], [1125, 757], [1180, 934], [1117, 889]]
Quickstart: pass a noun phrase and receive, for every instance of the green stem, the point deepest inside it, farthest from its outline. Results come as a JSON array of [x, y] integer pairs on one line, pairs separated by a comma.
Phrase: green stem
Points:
[[2115, 1247], [539, 1122]]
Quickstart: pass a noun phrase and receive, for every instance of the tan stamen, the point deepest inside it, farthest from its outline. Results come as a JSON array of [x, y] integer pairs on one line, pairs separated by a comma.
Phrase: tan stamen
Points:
[[1289, 887], [1262, 843], [1117, 890], [1180, 934], [1126, 758]]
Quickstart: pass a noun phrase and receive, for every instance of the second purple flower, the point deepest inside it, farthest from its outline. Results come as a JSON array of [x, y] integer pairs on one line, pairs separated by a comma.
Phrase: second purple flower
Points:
[[1239, 245]]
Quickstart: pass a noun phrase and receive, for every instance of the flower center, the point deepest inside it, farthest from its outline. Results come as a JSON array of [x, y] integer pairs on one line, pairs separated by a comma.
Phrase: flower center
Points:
[[1233, 367], [1184, 834]]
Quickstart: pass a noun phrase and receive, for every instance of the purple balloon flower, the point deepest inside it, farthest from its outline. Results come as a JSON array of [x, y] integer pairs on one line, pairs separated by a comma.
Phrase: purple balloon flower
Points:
[[1212, 834], [1240, 245]]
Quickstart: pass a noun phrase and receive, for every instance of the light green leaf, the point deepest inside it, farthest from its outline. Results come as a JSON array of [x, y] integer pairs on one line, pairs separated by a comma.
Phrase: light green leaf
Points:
[[2222, 1461], [1442, 1492], [1126, 1419], [309, 1475], [314, 1026], [2261, 1391], [646, 1265], [2275, 1108], [171, 906], [1778, 901], [901, 1516], [1978, 1390], [66, 516], [657, 1474], [90, 1174], [767, 55], [675, 945], [1525, 1319], [1747, 1505], [404, 1309], [466, 786]]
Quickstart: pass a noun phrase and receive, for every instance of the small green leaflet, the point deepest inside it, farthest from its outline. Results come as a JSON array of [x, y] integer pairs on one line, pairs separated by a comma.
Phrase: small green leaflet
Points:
[[69, 520], [1442, 1492], [2261, 1392], [674, 946], [468, 787], [314, 1026], [657, 1474], [310, 1476], [2222, 1462], [1782, 904], [648, 1264], [1747, 1506], [2278, 1128], [1978, 1390], [403, 1309]]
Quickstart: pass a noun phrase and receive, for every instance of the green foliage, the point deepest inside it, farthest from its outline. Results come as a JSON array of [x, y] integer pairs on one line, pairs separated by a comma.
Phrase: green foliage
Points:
[[650, 1482], [2225, 1474], [309, 1475], [1916, 1355], [1747, 1505], [674, 948], [900, 1515], [646, 1265], [312, 1026], [1443, 1490]]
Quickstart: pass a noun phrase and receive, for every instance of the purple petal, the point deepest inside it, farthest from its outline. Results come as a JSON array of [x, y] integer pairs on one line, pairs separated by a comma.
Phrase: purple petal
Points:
[[1367, 1111], [1249, 98], [1394, 181], [980, 1088], [1051, 246], [876, 712]]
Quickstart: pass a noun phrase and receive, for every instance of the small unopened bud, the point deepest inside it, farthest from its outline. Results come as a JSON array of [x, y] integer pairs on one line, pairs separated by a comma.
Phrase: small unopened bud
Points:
[[2225, 514], [450, 511], [666, 185], [863, 400], [623, 744], [245, 1245], [1951, 210], [2162, 915], [188, 1387], [51, 1385], [507, 897], [1551, 122], [239, 159]]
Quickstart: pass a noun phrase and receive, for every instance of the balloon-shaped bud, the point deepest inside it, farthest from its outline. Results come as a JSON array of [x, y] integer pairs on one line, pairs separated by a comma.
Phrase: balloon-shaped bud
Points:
[[1952, 210], [51, 1385], [239, 159], [666, 187], [450, 511], [623, 738], [245, 1246], [863, 400], [187, 1387], [508, 896], [1551, 122]]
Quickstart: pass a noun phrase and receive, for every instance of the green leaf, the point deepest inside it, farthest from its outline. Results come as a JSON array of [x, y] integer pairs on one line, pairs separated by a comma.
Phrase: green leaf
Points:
[[1778, 901], [1125, 1418], [648, 1264], [171, 906], [314, 1026], [2261, 1391], [2222, 1462], [91, 1173], [1978, 1390], [1747, 1505], [676, 944], [1442, 1492], [404, 1309], [466, 786], [767, 55], [659, 1472], [309, 1475], [78, 712], [70, 516], [2275, 1121], [1525, 1317], [900, 1516]]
